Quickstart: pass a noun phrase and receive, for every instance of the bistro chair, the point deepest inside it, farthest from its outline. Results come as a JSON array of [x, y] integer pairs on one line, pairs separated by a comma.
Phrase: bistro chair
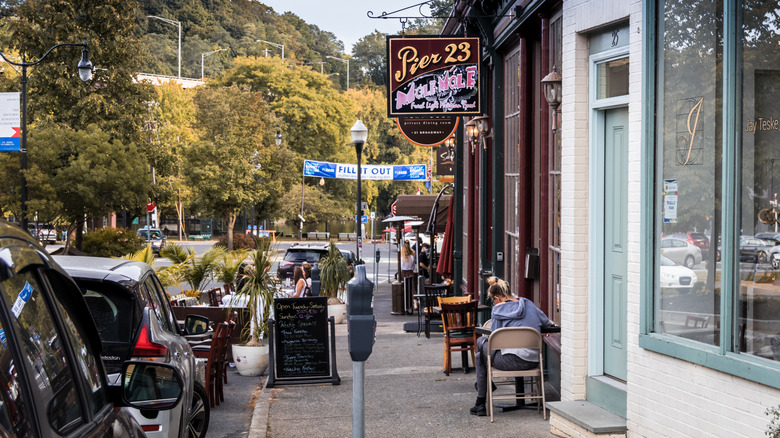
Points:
[[215, 296], [451, 300], [516, 337], [425, 308], [459, 324]]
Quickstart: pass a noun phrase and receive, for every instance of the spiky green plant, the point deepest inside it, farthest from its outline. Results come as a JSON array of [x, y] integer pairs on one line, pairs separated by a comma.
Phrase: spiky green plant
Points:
[[334, 273], [146, 255], [189, 268], [230, 264], [257, 291]]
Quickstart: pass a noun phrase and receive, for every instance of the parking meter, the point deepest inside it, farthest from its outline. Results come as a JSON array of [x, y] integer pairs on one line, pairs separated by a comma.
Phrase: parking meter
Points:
[[360, 318], [315, 280], [378, 256]]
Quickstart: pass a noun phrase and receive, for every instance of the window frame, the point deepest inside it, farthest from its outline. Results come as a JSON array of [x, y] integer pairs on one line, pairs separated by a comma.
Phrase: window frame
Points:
[[720, 358]]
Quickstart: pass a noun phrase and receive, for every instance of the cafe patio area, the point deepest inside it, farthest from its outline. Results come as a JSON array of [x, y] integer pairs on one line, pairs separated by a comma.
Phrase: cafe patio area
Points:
[[406, 392]]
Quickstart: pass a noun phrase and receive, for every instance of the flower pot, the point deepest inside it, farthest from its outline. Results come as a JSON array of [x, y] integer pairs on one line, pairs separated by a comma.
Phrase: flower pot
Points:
[[338, 312], [250, 361]]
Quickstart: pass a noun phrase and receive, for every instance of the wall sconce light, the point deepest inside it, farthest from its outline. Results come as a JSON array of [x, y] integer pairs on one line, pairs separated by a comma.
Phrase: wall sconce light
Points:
[[551, 85], [476, 129]]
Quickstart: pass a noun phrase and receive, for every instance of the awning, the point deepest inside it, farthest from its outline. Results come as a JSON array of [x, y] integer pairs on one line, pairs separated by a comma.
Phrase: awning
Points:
[[421, 205]]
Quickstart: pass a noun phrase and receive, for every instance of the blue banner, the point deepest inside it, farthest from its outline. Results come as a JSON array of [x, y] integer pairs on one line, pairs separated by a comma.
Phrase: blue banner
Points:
[[405, 172]]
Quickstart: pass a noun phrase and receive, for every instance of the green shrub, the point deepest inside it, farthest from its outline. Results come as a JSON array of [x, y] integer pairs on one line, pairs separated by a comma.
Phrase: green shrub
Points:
[[240, 241], [111, 242]]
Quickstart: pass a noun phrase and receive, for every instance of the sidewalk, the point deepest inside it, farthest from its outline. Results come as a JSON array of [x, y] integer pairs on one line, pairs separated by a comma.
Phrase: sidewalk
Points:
[[406, 393]]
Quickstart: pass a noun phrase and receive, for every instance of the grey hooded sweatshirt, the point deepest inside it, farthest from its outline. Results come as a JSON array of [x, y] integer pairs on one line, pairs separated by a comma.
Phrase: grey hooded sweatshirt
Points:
[[520, 313]]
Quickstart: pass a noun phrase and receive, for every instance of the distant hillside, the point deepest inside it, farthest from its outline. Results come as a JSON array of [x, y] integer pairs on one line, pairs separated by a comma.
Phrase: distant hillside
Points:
[[236, 25]]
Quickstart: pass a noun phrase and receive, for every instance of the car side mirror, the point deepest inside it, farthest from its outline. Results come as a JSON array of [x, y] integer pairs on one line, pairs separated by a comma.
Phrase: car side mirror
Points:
[[195, 324], [151, 385]]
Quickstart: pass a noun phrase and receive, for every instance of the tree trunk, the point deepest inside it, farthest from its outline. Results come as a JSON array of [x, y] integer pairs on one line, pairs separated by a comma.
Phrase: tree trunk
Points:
[[180, 214], [79, 233], [232, 216]]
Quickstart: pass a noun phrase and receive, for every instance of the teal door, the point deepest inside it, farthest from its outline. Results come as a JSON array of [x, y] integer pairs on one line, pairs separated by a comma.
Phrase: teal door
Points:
[[615, 239]]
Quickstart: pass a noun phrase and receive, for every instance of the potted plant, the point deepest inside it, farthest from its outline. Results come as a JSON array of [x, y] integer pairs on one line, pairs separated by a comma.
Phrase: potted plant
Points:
[[256, 293], [334, 275], [188, 268]]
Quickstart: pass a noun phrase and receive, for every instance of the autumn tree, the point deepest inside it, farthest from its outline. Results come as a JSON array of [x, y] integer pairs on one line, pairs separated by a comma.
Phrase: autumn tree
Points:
[[225, 166]]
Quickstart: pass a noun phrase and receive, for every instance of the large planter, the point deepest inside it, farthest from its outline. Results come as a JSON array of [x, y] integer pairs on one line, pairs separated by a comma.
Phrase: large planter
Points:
[[250, 361], [338, 312]]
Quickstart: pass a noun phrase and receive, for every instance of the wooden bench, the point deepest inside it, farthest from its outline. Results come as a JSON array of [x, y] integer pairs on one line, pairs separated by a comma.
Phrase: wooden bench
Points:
[[318, 235], [347, 236]]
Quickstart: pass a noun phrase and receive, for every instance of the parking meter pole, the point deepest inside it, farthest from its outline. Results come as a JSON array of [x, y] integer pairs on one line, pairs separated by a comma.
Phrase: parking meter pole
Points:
[[361, 327], [358, 403]]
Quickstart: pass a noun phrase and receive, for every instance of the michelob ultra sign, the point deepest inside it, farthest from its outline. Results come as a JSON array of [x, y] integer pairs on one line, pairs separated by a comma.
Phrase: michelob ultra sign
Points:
[[431, 75]]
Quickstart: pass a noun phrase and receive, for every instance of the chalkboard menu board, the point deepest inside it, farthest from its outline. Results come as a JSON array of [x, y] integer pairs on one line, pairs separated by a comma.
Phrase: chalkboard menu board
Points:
[[300, 342]]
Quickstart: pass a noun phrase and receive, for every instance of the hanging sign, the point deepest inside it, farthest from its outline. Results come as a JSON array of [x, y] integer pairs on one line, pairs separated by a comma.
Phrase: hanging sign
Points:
[[10, 128], [407, 172], [433, 75], [445, 161], [427, 131]]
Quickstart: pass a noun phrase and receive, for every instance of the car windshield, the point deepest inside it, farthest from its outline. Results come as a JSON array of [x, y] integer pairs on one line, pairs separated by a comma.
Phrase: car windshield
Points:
[[147, 234], [301, 255], [666, 262]]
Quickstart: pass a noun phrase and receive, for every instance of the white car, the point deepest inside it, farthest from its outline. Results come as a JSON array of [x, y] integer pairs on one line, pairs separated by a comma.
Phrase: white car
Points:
[[675, 276], [681, 251]]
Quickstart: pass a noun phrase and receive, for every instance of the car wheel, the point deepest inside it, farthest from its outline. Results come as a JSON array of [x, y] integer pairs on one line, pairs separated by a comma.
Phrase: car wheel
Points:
[[761, 257], [775, 261], [689, 262], [198, 416]]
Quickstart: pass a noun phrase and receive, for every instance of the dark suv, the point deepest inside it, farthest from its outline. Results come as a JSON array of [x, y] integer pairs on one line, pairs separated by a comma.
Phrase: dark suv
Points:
[[135, 321], [311, 254], [53, 382]]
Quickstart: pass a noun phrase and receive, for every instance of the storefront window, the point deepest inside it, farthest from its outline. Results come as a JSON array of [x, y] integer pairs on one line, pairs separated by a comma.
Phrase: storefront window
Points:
[[758, 314], [692, 161], [688, 146]]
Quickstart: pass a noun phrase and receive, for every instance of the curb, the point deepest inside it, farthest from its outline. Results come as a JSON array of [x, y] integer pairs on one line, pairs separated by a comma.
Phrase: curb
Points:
[[258, 425]]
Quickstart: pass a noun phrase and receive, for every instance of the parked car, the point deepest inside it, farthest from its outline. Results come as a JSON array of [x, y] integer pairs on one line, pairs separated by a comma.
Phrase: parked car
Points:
[[681, 251], [675, 276], [773, 238], [135, 321], [296, 255], [699, 239], [751, 250], [53, 383], [154, 236]]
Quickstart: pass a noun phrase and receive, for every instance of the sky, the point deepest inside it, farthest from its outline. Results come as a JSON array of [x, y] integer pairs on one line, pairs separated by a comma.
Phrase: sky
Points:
[[346, 19]]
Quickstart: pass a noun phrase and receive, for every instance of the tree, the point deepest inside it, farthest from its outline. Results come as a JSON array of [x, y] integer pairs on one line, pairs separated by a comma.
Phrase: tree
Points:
[[112, 99], [84, 172], [370, 53], [222, 166]]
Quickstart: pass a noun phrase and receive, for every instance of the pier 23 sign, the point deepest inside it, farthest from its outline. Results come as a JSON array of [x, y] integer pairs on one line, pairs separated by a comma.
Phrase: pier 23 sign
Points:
[[431, 75]]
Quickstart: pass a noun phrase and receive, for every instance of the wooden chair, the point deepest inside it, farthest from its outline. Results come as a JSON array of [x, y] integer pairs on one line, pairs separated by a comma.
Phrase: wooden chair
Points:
[[516, 337], [459, 324], [215, 366], [451, 300], [425, 311], [215, 296]]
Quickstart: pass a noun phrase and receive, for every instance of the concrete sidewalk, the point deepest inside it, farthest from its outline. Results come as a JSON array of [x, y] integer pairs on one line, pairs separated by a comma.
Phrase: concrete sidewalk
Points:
[[406, 393]]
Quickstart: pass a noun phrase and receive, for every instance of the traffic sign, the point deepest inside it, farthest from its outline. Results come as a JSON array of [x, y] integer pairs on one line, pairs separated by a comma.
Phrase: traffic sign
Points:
[[392, 208], [363, 219], [373, 215]]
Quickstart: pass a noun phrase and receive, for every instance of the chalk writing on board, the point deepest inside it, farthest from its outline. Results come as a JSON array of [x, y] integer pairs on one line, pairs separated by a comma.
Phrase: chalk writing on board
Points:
[[301, 337]]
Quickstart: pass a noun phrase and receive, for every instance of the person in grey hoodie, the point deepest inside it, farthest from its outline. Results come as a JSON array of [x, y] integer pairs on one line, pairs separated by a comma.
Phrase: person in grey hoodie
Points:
[[508, 311]]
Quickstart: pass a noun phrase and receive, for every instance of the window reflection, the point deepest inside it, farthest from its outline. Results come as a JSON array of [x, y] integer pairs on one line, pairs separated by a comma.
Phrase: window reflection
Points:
[[687, 298], [758, 315]]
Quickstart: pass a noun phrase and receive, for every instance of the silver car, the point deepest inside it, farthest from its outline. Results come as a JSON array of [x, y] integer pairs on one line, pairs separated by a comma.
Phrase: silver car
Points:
[[135, 321], [681, 251]]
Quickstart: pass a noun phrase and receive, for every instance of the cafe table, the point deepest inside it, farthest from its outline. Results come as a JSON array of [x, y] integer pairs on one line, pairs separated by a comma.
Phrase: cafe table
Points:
[[520, 382]]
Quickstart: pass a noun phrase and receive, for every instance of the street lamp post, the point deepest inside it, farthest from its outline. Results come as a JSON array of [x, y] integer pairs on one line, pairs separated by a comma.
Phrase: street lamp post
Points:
[[280, 46], [177, 23], [203, 55], [85, 73], [346, 61], [359, 135]]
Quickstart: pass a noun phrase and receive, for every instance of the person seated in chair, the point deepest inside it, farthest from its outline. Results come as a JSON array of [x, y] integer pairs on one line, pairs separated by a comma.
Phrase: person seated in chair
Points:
[[508, 311]]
